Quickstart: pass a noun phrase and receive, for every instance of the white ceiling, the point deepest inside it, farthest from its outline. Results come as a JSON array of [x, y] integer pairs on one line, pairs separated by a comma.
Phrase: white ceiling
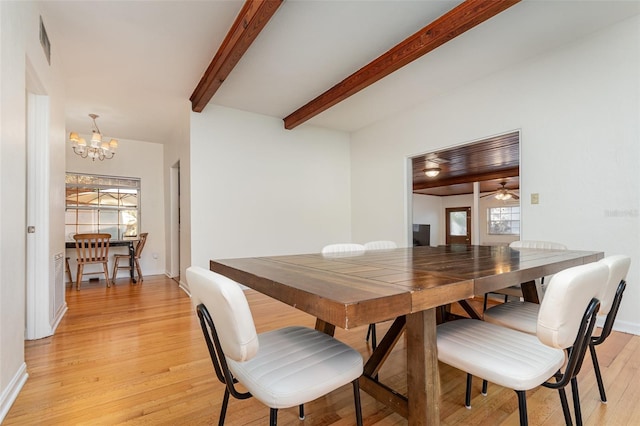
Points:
[[136, 63]]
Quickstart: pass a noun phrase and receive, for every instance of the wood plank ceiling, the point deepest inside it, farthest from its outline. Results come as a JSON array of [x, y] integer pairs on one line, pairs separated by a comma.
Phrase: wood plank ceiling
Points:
[[489, 161]]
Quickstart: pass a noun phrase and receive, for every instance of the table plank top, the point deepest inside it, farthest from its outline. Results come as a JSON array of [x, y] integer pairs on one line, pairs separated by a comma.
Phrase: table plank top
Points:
[[353, 290]]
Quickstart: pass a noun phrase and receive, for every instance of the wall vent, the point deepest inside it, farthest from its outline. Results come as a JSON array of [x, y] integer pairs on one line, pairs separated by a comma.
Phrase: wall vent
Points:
[[44, 41]]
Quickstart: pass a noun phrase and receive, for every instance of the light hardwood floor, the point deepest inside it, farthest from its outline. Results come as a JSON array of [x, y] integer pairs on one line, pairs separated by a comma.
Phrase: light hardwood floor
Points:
[[134, 354]]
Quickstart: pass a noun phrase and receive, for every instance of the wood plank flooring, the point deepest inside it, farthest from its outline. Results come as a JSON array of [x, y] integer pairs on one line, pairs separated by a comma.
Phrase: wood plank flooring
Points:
[[134, 355]]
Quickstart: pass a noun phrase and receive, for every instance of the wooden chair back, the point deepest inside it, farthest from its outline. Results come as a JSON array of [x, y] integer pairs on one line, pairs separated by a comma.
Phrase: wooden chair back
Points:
[[140, 246], [92, 248]]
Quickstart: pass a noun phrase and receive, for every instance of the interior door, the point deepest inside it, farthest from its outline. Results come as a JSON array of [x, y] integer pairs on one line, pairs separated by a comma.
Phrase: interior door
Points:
[[458, 225]]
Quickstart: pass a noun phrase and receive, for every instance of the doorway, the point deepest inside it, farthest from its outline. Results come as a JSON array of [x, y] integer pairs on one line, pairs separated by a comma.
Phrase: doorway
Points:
[[174, 257], [469, 174], [458, 225]]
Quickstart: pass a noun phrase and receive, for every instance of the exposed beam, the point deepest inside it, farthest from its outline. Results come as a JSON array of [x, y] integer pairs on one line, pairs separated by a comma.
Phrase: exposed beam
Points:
[[253, 17], [497, 174], [450, 25]]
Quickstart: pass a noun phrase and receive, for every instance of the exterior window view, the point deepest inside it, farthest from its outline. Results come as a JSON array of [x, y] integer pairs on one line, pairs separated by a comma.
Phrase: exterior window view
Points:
[[103, 204]]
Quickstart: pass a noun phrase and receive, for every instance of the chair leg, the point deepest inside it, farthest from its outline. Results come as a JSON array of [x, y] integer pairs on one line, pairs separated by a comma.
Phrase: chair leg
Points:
[[467, 394], [596, 367], [106, 274], [522, 407], [223, 409], [356, 399], [565, 407], [273, 416], [139, 270], [576, 401], [79, 275], [374, 340], [301, 412], [68, 270], [115, 269]]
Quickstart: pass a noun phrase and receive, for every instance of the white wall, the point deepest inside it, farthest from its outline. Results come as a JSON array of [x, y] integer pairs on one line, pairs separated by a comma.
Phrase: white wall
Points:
[[258, 189], [427, 210], [19, 45], [142, 160], [578, 110], [177, 154]]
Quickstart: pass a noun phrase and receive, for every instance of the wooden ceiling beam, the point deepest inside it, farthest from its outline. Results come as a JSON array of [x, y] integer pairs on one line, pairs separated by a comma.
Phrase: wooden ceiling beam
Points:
[[497, 174], [253, 17], [450, 25]]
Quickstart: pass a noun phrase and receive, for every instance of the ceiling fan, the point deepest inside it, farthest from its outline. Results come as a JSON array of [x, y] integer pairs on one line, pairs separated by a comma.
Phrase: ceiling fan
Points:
[[503, 193]]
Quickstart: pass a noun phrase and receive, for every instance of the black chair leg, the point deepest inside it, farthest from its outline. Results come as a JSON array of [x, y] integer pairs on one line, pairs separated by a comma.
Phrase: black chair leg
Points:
[[565, 407], [522, 407], [301, 412], [467, 395], [596, 367], [484, 387], [576, 401], [372, 332], [223, 409], [356, 399], [273, 416]]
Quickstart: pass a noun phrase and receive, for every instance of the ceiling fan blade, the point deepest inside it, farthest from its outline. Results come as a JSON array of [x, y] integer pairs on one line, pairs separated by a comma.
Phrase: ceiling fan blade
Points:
[[488, 195]]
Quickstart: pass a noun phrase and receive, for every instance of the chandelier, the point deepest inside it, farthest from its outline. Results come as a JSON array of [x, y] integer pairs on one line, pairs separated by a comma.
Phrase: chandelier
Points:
[[96, 148]]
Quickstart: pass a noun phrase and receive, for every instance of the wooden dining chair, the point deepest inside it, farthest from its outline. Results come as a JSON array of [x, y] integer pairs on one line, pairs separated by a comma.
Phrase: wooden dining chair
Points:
[[377, 245], [281, 368], [127, 259], [92, 249], [521, 361]]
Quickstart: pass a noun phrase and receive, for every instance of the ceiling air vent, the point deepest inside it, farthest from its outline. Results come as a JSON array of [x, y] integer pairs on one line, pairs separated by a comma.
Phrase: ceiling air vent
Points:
[[44, 41]]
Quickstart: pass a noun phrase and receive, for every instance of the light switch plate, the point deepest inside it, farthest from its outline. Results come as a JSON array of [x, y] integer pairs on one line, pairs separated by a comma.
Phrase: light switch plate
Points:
[[535, 198]]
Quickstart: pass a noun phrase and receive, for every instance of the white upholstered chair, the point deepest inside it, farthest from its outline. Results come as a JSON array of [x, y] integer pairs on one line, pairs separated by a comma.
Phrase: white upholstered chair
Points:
[[523, 316], [380, 245], [521, 361], [516, 290], [343, 249], [282, 368], [377, 245]]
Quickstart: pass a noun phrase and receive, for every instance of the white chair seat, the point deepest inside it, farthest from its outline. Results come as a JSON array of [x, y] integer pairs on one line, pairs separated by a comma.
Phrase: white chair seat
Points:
[[521, 316], [500, 355], [295, 365]]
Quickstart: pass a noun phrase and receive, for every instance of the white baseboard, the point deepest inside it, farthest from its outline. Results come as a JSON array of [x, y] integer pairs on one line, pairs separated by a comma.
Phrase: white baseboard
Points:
[[10, 394], [623, 326]]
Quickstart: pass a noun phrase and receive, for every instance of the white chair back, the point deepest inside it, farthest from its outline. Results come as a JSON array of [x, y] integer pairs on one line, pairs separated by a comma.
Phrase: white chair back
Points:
[[563, 306], [229, 310], [618, 269], [537, 245], [342, 248], [380, 245]]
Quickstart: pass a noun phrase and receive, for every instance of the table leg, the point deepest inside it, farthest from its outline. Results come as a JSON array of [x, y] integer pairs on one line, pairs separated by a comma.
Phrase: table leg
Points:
[[423, 377], [530, 292], [132, 257]]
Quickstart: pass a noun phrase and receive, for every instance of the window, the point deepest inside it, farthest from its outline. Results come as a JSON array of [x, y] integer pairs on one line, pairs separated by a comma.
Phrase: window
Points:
[[504, 220], [106, 204]]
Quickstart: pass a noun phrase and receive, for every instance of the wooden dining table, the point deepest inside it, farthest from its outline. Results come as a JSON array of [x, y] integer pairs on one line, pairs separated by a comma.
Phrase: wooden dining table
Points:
[[406, 285], [128, 242]]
